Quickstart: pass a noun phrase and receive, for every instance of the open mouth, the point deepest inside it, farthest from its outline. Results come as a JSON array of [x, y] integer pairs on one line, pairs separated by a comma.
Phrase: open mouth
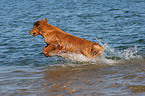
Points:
[[34, 34]]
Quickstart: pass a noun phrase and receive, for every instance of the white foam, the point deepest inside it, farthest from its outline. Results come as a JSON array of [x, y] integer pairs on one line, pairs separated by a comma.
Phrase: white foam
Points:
[[74, 56], [81, 58]]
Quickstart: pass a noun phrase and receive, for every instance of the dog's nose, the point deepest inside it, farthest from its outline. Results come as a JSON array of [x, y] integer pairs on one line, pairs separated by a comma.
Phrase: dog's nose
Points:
[[30, 32]]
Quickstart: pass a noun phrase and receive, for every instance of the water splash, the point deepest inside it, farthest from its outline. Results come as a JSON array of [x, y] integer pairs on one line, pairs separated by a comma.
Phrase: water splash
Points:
[[110, 55], [125, 54]]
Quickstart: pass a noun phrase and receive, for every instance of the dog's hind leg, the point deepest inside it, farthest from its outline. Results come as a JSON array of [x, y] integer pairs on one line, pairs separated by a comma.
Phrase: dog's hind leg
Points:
[[97, 50], [87, 53], [94, 51]]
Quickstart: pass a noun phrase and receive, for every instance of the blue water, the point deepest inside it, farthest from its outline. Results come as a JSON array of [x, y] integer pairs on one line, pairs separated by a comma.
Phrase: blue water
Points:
[[118, 25]]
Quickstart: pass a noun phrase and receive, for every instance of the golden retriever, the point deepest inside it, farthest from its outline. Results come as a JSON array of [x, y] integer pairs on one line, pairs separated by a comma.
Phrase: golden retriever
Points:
[[59, 41]]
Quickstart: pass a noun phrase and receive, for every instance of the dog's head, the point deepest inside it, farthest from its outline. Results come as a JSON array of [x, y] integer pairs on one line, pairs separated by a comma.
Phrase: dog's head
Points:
[[37, 27]]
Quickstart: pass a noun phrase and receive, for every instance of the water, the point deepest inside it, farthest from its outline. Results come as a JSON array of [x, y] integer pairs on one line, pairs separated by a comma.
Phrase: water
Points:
[[117, 25]]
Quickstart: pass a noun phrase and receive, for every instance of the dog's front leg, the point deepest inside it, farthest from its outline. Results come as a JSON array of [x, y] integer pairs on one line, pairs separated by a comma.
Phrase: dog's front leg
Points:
[[48, 49]]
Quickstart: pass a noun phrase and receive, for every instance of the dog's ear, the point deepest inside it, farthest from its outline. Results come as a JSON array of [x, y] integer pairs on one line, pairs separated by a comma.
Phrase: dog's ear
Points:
[[44, 19], [37, 23]]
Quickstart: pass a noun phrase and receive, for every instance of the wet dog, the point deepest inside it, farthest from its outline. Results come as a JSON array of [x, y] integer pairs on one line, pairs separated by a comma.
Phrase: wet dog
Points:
[[59, 41]]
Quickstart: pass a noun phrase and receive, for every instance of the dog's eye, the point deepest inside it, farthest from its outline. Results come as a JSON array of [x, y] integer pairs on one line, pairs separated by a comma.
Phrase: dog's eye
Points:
[[37, 23]]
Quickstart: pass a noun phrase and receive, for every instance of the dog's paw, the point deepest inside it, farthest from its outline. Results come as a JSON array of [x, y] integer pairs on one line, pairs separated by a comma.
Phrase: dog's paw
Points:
[[48, 55], [44, 47]]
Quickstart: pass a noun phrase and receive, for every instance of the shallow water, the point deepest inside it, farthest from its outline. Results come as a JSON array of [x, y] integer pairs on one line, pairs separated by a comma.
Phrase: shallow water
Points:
[[117, 25]]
